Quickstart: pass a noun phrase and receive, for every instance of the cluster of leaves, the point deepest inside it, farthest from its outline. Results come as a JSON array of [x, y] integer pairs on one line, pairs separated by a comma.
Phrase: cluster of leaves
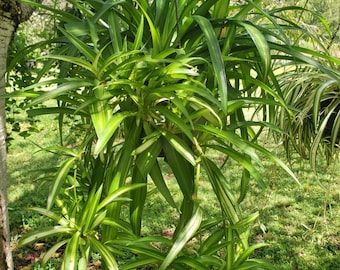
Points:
[[311, 89], [315, 121], [23, 66], [152, 80], [21, 75]]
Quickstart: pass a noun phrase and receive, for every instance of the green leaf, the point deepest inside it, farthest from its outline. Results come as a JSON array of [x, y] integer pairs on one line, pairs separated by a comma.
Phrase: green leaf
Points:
[[182, 169], [44, 233], [59, 181], [115, 33], [193, 263], [242, 160], [90, 208], [52, 251], [184, 236], [247, 253], [139, 263], [158, 179], [216, 58], [81, 46], [98, 220], [150, 141], [155, 239], [147, 159], [335, 131], [278, 161], [317, 139], [211, 244], [139, 35], [55, 110], [60, 90], [177, 121], [318, 98], [138, 200], [110, 127], [105, 253], [120, 191], [145, 250], [261, 45], [155, 35], [222, 190], [181, 147], [211, 111], [71, 254], [124, 226], [61, 220], [74, 61], [243, 145], [247, 221]]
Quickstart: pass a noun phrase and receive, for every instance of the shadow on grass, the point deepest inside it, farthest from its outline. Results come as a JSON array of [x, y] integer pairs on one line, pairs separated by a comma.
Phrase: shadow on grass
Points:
[[301, 222], [27, 169]]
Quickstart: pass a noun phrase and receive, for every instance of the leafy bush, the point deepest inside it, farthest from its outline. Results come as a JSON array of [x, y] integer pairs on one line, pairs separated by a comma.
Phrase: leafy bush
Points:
[[160, 80]]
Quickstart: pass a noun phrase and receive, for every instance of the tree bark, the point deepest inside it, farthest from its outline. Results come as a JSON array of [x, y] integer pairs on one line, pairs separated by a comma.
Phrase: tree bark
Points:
[[7, 29], [11, 14]]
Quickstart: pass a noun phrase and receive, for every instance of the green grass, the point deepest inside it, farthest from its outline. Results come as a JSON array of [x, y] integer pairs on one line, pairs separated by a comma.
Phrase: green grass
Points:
[[300, 223]]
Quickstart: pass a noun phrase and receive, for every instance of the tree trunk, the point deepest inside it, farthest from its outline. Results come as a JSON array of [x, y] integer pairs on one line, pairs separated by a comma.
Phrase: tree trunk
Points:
[[11, 14], [7, 29]]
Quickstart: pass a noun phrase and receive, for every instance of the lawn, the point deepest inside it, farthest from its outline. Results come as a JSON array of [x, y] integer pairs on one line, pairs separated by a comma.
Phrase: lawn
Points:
[[300, 223]]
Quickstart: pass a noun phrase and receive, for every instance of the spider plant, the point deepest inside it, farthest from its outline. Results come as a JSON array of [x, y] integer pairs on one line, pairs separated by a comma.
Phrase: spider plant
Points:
[[315, 122]]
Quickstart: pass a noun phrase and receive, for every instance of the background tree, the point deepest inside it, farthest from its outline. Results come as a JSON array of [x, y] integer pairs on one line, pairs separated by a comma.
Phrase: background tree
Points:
[[12, 14]]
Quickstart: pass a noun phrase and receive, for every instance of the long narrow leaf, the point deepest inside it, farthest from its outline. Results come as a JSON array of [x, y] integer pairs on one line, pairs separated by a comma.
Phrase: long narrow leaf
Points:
[[109, 129], [159, 181], [81, 46], [60, 90], [50, 214], [216, 58], [44, 233], [59, 181], [71, 254], [222, 190], [261, 45], [184, 236], [111, 197], [52, 251], [106, 255], [179, 145]]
